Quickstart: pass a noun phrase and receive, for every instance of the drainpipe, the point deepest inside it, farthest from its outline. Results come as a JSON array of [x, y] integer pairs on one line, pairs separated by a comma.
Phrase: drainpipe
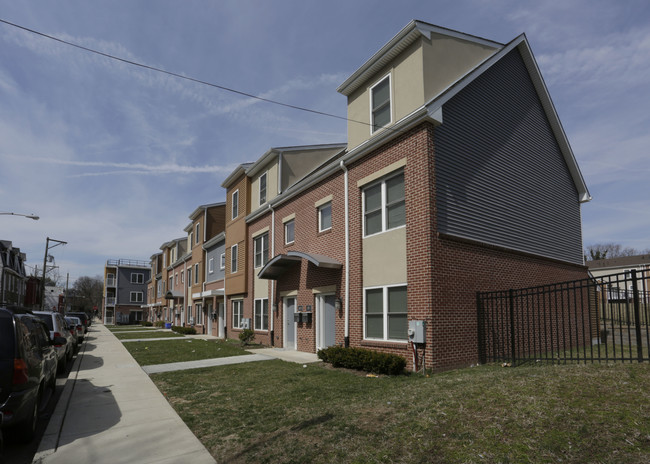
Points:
[[347, 257], [272, 299]]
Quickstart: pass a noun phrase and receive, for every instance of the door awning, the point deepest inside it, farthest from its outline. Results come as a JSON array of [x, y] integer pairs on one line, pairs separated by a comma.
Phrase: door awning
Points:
[[170, 295], [279, 264]]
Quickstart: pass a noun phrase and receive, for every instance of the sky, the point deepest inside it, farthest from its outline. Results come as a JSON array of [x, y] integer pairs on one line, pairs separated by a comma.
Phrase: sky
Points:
[[114, 158]]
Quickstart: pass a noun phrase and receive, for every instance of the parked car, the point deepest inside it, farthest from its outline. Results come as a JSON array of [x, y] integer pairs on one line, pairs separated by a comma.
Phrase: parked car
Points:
[[59, 328], [76, 327], [28, 365], [84, 319]]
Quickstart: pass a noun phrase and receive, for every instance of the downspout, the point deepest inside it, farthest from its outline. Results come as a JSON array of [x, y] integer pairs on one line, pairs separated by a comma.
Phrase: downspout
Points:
[[273, 282], [347, 256]]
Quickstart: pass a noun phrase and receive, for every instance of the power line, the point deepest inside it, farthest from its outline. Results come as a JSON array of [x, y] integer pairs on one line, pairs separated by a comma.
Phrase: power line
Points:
[[180, 76]]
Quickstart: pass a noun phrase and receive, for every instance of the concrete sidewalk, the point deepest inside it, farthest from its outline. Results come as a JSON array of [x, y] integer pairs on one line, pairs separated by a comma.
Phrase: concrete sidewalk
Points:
[[111, 412]]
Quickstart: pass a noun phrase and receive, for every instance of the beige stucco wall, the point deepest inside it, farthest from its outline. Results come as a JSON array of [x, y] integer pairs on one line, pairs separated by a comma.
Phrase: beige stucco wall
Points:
[[384, 258], [271, 184]]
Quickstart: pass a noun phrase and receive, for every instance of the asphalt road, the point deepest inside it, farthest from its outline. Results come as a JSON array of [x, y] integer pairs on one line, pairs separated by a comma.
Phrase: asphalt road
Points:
[[17, 453]]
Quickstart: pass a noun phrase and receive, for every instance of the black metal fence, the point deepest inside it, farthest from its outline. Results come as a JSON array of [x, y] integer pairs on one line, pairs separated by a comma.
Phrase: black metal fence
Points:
[[606, 318]]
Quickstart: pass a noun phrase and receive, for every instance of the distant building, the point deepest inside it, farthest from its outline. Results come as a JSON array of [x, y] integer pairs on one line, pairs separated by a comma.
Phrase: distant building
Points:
[[13, 280], [125, 291]]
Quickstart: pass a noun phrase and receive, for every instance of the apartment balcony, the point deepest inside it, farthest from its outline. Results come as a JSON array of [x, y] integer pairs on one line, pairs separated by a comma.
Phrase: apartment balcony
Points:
[[111, 282], [110, 301]]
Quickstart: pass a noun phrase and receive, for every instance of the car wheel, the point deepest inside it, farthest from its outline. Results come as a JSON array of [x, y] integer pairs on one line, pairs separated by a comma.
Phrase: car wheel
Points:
[[27, 430]]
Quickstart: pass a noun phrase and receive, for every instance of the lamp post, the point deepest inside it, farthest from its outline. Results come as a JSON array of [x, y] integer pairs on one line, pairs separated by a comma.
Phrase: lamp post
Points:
[[47, 247], [30, 216]]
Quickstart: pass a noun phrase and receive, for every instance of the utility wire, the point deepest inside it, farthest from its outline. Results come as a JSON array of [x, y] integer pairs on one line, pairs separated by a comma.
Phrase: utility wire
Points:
[[180, 76]]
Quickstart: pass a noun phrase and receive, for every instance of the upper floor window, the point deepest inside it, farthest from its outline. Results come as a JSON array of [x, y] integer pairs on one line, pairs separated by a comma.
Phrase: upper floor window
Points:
[[210, 265], [137, 297], [325, 217], [196, 235], [137, 278], [380, 104], [235, 204], [289, 232], [261, 249], [222, 264], [189, 277], [171, 282], [196, 273], [263, 189], [384, 205], [233, 259], [191, 240]]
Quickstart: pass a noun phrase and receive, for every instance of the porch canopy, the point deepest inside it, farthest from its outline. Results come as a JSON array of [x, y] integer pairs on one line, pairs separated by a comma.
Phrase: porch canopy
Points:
[[279, 264], [170, 295]]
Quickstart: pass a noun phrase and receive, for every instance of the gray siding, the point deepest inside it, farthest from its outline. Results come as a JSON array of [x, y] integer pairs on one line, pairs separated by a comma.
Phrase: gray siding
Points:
[[215, 253], [500, 176], [125, 287]]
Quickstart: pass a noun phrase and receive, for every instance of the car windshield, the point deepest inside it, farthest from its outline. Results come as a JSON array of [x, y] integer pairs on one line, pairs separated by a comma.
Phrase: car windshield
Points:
[[6, 336]]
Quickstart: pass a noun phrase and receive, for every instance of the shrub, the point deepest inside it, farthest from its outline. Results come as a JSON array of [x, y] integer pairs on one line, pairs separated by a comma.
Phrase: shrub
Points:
[[363, 360], [184, 330], [146, 323], [246, 336], [159, 323]]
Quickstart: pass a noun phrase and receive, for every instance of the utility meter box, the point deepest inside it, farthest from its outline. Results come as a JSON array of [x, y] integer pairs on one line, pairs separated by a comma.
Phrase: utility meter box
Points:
[[245, 323], [417, 331]]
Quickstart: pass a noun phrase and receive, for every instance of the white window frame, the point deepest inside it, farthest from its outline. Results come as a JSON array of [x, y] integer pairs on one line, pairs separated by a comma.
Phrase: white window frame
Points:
[[384, 205], [291, 222], [210, 265], [261, 308], [321, 208], [235, 204], [196, 273], [196, 234], [189, 277], [261, 250], [199, 314], [233, 258], [222, 261], [390, 104], [137, 297], [171, 282], [262, 193], [190, 318], [137, 278], [237, 310], [385, 313]]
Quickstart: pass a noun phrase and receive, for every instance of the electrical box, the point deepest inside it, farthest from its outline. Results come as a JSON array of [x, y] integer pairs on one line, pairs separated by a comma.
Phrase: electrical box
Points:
[[417, 331]]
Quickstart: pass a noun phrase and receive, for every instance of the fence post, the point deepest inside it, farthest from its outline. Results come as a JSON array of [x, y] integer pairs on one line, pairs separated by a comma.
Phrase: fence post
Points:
[[482, 349], [511, 303], [637, 317]]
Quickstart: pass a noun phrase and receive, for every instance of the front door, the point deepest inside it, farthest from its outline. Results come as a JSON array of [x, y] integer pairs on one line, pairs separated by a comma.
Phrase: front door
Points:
[[289, 323], [325, 321], [221, 320], [210, 318]]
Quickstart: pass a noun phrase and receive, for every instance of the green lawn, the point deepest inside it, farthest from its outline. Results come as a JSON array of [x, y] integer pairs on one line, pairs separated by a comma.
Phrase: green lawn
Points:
[[280, 412], [162, 351], [154, 334], [124, 328]]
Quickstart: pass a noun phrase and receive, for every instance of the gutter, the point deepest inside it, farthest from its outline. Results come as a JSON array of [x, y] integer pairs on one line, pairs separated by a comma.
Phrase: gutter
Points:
[[347, 256]]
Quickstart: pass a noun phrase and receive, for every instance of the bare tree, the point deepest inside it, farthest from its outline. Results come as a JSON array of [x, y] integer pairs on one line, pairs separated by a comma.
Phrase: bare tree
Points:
[[598, 251], [87, 293]]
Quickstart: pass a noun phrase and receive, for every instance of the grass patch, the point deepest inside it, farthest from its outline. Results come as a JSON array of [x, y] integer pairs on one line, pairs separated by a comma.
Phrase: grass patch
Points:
[[279, 412], [152, 334], [124, 328], [162, 352]]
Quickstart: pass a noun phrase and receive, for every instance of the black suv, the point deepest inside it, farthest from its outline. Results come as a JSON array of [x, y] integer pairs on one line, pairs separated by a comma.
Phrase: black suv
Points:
[[28, 365], [85, 320]]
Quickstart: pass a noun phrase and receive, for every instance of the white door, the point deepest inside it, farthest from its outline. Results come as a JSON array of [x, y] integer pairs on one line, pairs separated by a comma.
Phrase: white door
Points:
[[325, 321], [289, 324], [221, 320]]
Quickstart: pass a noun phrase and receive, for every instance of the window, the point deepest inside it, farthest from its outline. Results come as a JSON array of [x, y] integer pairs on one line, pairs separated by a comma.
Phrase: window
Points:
[[189, 277], [261, 249], [182, 277], [235, 204], [237, 309], [263, 189], [137, 297], [190, 319], [222, 264], [191, 240], [380, 104], [159, 288], [210, 265], [384, 205], [262, 314], [137, 278], [171, 282], [289, 232], [386, 313], [196, 273], [233, 259], [199, 314], [325, 217], [196, 234]]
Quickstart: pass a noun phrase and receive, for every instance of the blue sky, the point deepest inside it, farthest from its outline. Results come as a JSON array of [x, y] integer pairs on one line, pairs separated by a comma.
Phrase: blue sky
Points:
[[114, 158]]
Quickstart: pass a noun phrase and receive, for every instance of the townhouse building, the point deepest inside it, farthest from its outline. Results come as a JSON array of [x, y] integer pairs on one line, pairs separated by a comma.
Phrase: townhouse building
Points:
[[457, 177], [13, 279], [126, 284]]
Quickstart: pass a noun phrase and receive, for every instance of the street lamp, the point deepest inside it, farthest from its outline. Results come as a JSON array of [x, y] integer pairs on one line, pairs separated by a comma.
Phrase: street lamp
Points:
[[30, 216], [47, 247]]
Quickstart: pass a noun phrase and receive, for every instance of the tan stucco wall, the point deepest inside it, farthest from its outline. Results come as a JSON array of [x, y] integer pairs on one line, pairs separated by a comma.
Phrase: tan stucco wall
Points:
[[384, 258], [271, 184]]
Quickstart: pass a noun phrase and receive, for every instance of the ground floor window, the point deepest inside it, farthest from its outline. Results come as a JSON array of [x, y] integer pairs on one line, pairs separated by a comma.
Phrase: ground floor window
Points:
[[237, 310], [190, 318], [385, 313], [262, 314], [199, 314], [136, 315]]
